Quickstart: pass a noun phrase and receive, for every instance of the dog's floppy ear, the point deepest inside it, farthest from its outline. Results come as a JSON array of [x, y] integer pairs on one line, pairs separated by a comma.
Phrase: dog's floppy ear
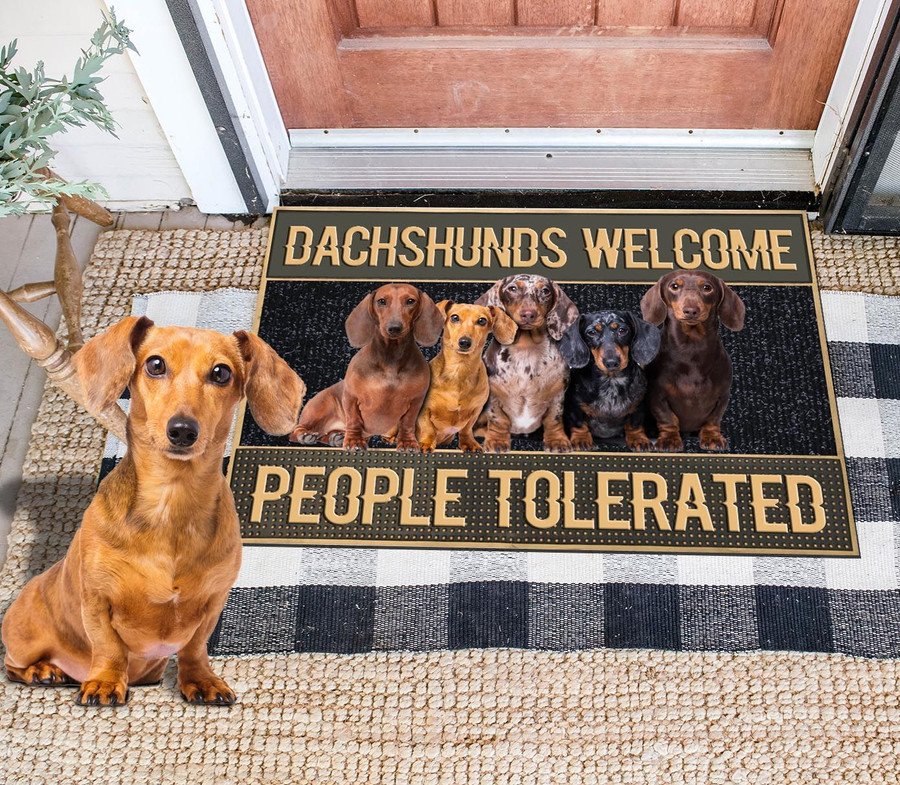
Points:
[[503, 327], [274, 392], [572, 346], [444, 307], [563, 315], [105, 364], [429, 322], [647, 338], [653, 306], [361, 324], [731, 309], [492, 295]]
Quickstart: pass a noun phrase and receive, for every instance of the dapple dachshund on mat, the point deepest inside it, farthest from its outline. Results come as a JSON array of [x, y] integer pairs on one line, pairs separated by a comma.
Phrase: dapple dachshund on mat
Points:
[[159, 547], [605, 397], [386, 381], [459, 381], [690, 380], [528, 378]]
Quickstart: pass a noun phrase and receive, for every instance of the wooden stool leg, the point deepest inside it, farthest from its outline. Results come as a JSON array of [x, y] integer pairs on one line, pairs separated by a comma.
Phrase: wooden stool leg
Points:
[[38, 341], [67, 277], [81, 205]]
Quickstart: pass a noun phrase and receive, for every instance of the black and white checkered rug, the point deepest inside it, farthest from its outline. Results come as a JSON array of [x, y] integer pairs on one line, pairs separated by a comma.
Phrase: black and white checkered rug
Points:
[[360, 599]]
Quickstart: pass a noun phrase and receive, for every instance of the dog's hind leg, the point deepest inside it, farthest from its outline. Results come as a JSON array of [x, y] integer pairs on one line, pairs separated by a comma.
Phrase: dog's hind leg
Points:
[[321, 417], [33, 647], [42, 673]]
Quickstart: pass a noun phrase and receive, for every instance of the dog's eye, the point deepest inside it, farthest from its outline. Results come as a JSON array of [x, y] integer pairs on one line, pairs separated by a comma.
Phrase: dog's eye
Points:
[[454, 317], [410, 301], [220, 374], [674, 287], [707, 288], [155, 365], [623, 331], [481, 322], [545, 290], [381, 301], [512, 288]]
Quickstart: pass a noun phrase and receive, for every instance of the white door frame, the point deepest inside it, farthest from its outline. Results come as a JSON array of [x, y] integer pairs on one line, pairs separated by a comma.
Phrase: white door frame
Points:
[[326, 158]]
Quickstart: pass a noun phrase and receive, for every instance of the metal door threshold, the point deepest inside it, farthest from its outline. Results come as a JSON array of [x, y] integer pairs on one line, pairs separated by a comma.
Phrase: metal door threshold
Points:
[[566, 159]]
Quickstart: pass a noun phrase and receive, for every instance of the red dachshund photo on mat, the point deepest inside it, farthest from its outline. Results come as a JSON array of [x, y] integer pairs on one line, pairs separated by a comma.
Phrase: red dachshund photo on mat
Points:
[[690, 379], [528, 378], [608, 351], [386, 381], [459, 380], [159, 547]]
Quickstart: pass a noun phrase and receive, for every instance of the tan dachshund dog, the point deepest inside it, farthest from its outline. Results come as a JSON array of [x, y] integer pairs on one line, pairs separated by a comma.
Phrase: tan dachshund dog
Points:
[[386, 381], [459, 381], [159, 547]]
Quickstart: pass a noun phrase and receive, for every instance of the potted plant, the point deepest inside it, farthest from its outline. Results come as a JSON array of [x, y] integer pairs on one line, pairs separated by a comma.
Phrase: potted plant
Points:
[[33, 109]]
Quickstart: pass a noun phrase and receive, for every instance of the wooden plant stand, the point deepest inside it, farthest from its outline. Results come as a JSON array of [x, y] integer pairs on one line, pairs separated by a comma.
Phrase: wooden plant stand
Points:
[[34, 337]]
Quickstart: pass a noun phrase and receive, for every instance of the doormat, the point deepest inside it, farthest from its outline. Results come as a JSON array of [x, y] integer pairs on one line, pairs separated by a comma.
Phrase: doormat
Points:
[[778, 488], [325, 599]]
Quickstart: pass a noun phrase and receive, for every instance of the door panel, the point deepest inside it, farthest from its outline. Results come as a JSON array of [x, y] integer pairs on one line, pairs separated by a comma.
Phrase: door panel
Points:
[[525, 63], [554, 13], [451, 13]]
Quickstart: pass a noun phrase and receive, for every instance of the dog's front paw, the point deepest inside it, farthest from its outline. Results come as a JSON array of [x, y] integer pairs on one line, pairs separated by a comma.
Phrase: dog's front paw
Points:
[[670, 441], [639, 442], [302, 436], [559, 444], [96, 692], [409, 444], [471, 446], [713, 440], [497, 445], [582, 441], [207, 690], [355, 443]]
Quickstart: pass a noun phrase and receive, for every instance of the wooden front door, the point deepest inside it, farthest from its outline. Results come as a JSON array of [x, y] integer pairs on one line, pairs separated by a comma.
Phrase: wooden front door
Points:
[[563, 63]]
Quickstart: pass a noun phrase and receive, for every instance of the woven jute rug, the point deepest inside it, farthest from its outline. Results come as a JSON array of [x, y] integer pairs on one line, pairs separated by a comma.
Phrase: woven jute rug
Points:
[[477, 716]]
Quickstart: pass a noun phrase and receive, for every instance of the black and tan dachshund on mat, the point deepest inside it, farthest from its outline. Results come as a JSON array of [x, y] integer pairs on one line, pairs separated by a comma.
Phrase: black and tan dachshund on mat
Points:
[[386, 381], [607, 351]]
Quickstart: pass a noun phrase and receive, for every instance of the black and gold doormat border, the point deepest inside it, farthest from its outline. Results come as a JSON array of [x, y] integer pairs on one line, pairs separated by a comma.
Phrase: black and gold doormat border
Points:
[[713, 503]]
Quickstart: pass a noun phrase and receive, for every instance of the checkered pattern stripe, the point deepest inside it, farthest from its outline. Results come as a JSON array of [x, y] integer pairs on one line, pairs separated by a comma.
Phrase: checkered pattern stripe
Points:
[[290, 598]]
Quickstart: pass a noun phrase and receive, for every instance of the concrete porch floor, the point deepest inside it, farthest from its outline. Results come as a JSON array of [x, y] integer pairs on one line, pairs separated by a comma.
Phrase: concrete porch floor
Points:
[[27, 254]]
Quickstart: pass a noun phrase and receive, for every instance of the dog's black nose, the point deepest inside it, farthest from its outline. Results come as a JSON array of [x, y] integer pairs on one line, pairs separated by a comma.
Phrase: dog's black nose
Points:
[[182, 431], [395, 329], [465, 343], [612, 363], [690, 313]]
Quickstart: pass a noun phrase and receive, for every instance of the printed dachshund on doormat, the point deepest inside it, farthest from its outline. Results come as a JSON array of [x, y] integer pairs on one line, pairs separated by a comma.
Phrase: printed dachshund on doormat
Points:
[[159, 547], [386, 381], [459, 380], [690, 380], [528, 378], [608, 351]]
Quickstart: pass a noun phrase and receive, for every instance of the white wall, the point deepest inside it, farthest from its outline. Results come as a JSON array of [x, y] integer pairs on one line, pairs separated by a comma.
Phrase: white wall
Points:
[[138, 169]]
